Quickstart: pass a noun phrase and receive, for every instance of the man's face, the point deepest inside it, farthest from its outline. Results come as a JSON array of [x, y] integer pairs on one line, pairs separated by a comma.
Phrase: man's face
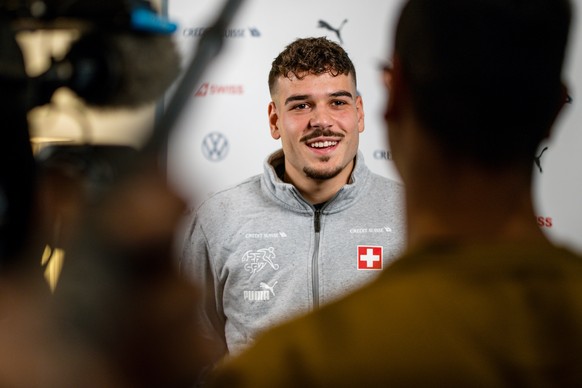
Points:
[[318, 119]]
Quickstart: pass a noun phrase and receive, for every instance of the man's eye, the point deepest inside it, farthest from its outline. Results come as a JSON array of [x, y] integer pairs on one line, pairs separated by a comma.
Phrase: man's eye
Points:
[[338, 103], [300, 106]]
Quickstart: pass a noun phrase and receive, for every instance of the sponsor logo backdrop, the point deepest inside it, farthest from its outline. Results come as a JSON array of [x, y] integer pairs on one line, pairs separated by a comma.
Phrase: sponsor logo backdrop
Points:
[[223, 135]]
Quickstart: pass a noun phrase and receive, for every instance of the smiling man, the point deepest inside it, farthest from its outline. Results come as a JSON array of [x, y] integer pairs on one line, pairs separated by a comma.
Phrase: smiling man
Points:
[[319, 160], [314, 226], [481, 297]]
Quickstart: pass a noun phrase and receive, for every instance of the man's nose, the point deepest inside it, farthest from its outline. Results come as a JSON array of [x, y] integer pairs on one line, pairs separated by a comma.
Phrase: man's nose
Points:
[[321, 118]]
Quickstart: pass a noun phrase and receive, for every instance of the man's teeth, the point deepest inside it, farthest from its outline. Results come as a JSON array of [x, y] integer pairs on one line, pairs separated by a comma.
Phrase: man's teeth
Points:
[[323, 144]]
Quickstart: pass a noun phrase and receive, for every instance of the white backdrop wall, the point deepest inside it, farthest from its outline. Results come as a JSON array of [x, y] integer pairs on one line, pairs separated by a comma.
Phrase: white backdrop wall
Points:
[[223, 134]]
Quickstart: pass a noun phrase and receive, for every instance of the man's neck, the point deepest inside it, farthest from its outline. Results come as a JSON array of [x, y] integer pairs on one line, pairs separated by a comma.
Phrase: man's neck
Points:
[[471, 206], [318, 190]]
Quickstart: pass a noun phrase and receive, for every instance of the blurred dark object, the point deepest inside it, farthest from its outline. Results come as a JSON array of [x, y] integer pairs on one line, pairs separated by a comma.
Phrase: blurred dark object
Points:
[[106, 66], [112, 69], [110, 14], [125, 56], [17, 168], [96, 167], [119, 294], [120, 306]]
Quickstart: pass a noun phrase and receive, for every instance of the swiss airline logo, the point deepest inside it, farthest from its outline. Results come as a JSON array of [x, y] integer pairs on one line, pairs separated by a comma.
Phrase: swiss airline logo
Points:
[[370, 257], [208, 89], [545, 222]]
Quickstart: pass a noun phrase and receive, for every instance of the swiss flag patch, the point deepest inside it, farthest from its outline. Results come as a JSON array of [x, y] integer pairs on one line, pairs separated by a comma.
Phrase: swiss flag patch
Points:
[[370, 257]]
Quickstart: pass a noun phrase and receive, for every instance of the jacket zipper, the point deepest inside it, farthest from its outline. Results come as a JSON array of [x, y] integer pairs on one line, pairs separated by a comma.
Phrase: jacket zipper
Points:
[[315, 259]]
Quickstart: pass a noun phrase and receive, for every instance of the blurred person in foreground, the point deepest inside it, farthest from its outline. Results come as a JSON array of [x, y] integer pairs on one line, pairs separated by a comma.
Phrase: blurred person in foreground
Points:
[[121, 316], [294, 238], [31, 355], [481, 297]]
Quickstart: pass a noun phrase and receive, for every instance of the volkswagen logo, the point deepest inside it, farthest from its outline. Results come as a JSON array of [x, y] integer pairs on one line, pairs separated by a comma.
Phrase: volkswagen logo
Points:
[[215, 147]]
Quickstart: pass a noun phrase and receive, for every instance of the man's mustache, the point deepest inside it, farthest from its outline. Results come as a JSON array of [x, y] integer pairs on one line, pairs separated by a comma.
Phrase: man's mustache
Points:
[[321, 133]]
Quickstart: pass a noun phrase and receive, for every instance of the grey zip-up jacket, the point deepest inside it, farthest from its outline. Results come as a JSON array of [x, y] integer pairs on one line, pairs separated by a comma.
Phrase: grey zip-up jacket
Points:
[[262, 254]]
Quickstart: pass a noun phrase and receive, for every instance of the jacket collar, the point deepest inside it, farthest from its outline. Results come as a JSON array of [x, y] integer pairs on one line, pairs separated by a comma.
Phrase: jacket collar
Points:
[[289, 197]]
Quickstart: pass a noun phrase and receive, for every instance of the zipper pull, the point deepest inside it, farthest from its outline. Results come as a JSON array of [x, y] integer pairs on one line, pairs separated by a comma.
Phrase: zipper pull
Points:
[[316, 222]]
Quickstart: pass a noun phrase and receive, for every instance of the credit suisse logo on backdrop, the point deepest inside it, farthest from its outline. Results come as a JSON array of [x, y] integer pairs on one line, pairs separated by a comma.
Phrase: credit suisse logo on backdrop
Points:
[[382, 155], [197, 32]]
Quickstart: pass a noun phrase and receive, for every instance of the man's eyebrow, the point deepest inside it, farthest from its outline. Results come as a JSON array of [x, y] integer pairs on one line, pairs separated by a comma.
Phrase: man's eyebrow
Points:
[[342, 93], [303, 97], [297, 97]]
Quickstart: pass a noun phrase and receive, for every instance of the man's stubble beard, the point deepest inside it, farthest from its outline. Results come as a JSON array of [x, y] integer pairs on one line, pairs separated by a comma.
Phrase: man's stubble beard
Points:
[[322, 175]]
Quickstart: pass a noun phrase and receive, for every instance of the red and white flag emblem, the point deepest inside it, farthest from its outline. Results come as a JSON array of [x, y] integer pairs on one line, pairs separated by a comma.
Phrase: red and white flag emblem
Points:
[[370, 257]]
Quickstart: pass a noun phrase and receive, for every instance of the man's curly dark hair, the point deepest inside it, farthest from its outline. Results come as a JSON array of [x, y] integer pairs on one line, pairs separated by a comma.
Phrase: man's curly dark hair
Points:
[[311, 56]]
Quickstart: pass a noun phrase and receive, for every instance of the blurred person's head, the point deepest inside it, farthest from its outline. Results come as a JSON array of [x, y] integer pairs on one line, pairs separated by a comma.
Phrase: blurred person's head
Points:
[[483, 78]]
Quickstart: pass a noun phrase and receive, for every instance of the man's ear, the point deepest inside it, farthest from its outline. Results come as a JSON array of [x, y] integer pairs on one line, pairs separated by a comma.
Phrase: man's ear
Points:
[[274, 120], [360, 113]]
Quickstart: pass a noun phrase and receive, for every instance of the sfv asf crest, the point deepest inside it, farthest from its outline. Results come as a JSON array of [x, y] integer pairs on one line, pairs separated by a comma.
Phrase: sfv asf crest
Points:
[[370, 257], [215, 147], [255, 261]]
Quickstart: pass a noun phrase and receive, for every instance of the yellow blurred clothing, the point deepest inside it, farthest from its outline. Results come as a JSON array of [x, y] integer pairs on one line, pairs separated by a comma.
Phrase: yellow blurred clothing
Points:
[[443, 315]]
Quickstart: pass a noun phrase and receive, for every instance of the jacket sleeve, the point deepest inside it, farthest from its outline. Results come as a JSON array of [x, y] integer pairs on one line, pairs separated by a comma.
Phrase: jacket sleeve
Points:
[[196, 263]]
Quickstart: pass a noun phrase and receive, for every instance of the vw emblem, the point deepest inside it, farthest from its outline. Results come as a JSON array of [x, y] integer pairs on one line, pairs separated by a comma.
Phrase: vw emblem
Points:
[[215, 146]]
